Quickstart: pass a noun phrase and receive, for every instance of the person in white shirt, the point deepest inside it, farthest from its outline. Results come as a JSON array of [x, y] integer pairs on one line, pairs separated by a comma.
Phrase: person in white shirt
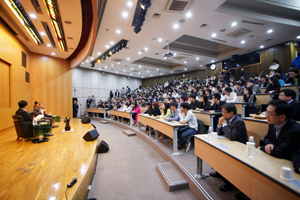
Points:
[[128, 108], [123, 107], [175, 94], [230, 96], [186, 117]]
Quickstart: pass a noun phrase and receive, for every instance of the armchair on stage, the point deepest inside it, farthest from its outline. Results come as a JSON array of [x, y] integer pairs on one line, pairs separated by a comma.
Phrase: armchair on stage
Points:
[[23, 129]]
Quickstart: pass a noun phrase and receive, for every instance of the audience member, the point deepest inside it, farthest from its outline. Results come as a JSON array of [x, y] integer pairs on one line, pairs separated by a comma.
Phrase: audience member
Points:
[[289, 96]]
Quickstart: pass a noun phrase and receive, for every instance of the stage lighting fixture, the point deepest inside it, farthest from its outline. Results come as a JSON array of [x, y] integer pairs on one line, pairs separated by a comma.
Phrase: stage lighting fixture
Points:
[[93, 65], [140, 20], [110, 53], [99, 61], [103, 57], [113, 51], [137, 29], [145, 4], [124, 43]]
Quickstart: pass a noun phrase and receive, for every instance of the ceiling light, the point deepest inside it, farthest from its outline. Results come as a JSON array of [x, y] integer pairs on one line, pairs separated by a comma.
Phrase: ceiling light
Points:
[[105, 67], [213, 61], [49, 45], [139, 72], [165, 58], [174, 54], [201, 65], [92, 58], [298, 37], [270, 31], [110, 53], [124, 70], [140, 66], [157, 69], [140, 53], [107, 46], [118, 31], [184, 62], [151, 74], [172, 72], [147, 71], [145, 4], [146, 49], [142, 76], [111, 42], [112, 65], [128, 58], [53, 53], [188, 15], [176, 26], [159, 39], [125, 14], [129, 3], [87, 61], [261, 46], [213, 35], [243, 42], [32, 16], [131, 68], [99, 61], [197, 58], [99, 53], [117, 72], [43, 33], [233, 24], [160, 73], [82, 62], [185, 69], [130, 74], [118, 63], [99, 68]]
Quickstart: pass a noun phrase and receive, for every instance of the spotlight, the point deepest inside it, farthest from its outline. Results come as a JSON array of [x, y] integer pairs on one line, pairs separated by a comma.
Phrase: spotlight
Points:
[[145, 4], [99, 61], [137, 29], [113, 51], [140, 20], [93, 65], [124, 43], [110, 53], [103, 57]]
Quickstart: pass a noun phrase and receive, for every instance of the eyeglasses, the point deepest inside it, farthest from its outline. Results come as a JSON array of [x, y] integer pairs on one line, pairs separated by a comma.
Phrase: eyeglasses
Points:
[[269, 114], [281, 95]]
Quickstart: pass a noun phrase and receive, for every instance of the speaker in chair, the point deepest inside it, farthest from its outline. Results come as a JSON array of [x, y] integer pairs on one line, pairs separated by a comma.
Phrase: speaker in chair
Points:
[[103, 147], [91, 135], [86, 120]]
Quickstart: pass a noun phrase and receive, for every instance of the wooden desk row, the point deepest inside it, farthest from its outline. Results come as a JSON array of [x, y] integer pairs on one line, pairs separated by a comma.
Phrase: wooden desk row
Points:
[[97, 110], [258, 178]]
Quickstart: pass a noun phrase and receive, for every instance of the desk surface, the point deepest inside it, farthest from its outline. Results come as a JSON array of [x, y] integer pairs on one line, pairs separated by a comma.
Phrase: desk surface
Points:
[[264, 165], [207, 112], [161, 120], [42, 171]]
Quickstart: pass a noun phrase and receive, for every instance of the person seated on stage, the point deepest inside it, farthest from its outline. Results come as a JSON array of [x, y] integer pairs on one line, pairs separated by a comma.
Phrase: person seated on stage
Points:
[[22, 111], [216, 102], [274, 85], [186, 117], [174, 113], [136, 109], [193, 102], [282, 139], [204, 103], [233, 127], [289, 96], [230, 96], [250, 98], [254, 87], [39, 113]]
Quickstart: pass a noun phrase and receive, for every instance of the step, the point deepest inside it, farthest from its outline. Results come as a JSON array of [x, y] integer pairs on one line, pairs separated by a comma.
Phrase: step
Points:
[[103, 122], [129, 132], [173, 180]]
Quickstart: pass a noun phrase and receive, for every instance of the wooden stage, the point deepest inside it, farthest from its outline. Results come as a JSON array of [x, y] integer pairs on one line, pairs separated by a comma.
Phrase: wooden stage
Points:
[[42, 171]]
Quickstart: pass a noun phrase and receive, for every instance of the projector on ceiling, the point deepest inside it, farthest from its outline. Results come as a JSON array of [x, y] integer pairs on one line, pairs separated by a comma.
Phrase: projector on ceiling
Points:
[[168, 55]]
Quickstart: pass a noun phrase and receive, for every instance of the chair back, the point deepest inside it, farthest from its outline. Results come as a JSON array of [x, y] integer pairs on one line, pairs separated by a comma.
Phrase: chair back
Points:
[[255, 136], [23, 129]]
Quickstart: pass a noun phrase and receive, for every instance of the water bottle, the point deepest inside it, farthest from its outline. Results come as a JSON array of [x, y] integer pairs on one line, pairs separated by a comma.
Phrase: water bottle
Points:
[[251, 149], [209, 135], [251, 139]]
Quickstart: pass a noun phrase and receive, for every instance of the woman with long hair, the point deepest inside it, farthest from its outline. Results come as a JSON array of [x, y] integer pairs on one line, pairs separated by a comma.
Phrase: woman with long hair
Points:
[[250, 98], [274, 86], [166, 113], [136, 109], [204, 103]]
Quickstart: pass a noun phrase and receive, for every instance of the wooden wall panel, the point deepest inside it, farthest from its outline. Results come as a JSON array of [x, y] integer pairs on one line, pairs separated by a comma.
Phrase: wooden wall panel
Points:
[[5, 83], [50, 79]]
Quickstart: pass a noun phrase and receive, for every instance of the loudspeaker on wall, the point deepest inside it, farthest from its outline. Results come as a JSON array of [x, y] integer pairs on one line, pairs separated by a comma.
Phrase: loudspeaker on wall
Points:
[[91, 135], [103, 147]]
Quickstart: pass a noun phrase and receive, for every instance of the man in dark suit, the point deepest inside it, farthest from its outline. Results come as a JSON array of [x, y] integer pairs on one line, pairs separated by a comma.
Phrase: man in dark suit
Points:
[[282, 139], [22, 111], [117, 93], [75, 108], [289, 96], [233, 127]]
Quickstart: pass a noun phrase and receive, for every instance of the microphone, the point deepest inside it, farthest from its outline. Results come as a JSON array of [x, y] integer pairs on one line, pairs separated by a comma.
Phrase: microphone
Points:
[[72, 182]]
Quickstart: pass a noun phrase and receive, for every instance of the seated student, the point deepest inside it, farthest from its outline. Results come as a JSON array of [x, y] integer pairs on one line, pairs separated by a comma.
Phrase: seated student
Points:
[[186, 117], [181, 100], [122, 106], [234, 128], [128, 108], [289, 96], [204, 103], [230, 96], [250, 98], [208, 94], [149, 110], [156, 110], [238, 89], [293, 74], [282, 139], [22, 111], [166, 113], [217, 104], [254, 87], [174, 113], [193, 102], [136, 109], [274, 85], [262, 81], [296, 161]]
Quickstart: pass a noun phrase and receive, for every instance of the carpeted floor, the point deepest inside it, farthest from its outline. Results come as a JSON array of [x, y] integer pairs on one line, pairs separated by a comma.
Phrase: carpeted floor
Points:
[[128, 170]]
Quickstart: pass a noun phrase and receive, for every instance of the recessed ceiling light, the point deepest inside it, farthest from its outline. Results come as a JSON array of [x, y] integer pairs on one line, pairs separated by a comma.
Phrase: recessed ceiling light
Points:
[[48, 45], [174, 54], [131, 68], [213, 35], [184, 62], [213, 61], [188, 15], [139, 72], [261, 46], [118, 63], [140, 53], [129, 3], [159, 39], [146, 49], [243, 42], [107, 46], [112, 65], [117, 72], [125, 14], [128, 58], [185, 68], [160, 73], [118, 31], [172, 72], [151, 74], [176, 26], [82, 62], [270, 31], [124, 70], [233, 24], [92, 58], [87, 61], [43, 33], [111, 42], [130, 74], [99, 68], [147, 71], [298, 37], [105, 67], [197, 58], [53, 53], [142, 76], [201, 65], [165, 58], [140, 66], [157, 69], [32, 15], [99, 53]]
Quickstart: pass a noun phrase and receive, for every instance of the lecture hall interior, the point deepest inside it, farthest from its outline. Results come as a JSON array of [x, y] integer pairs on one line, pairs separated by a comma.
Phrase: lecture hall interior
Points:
[[149, 99]]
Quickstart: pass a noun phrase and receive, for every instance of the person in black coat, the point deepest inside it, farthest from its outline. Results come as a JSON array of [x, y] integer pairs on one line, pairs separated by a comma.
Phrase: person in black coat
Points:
[[282, 139], [22, 111], [111, 94], [217, 104], [289, 96], [149, 110], [75, 109], [296, 161], [156, 110], [193, 102]]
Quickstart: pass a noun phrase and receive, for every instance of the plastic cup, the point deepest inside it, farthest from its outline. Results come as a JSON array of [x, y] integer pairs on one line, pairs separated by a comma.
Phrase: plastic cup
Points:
[[286, 173], [214, 136]]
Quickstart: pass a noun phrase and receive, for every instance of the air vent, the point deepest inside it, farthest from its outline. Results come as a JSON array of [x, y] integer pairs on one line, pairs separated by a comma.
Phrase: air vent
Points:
[[238, 33], [36, 6], [178, 6], [185, 54], [218, 40], [179, 58], [156, 15], [268, 40], [203, 25], [255, 23], [46, 27]]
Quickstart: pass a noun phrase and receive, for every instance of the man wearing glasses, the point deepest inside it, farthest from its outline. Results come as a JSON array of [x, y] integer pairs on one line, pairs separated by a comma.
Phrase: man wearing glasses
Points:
[[282, 139], [289, 96]]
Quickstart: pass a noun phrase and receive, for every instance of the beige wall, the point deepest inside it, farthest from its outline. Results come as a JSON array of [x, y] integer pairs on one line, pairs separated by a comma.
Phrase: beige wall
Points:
[[50, 79]]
